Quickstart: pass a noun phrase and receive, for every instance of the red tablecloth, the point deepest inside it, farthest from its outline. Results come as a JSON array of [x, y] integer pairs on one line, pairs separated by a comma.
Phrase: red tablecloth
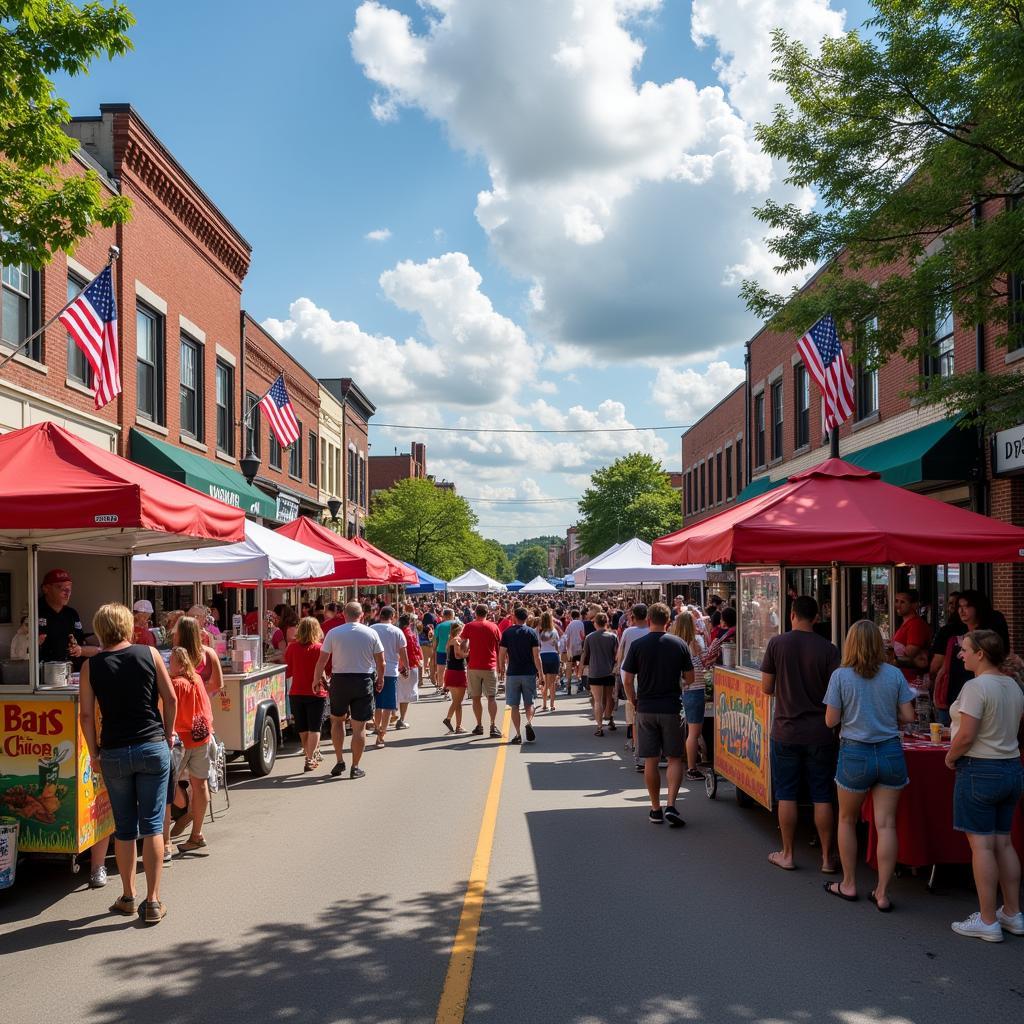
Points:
[[924, 818]]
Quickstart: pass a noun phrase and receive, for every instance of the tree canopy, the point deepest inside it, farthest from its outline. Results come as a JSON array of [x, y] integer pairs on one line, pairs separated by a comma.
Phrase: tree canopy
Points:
[[532, 561], [42, 211], [909, 134], [630, 498]]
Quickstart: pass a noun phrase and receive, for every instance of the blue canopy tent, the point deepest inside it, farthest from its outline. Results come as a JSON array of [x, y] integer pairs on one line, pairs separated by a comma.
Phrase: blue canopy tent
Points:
[[515, 585], [569, 580], [427, 584]]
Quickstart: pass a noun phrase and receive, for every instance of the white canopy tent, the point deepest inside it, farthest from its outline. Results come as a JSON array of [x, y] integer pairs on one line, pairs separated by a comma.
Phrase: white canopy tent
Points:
[[263, 555], [580, 575], [472, 581], [538, 585], [629, 565]]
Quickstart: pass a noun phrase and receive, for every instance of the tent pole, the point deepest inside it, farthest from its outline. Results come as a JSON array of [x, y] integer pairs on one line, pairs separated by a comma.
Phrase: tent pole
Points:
[[835, 603], [32, 575], [261, 612]]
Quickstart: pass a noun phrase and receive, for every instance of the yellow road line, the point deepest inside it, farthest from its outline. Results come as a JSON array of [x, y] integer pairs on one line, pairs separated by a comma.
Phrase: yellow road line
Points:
[[455, 995]]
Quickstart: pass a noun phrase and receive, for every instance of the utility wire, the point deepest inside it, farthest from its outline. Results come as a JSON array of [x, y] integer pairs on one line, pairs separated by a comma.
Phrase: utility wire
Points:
[[521, 501], [530, 430]]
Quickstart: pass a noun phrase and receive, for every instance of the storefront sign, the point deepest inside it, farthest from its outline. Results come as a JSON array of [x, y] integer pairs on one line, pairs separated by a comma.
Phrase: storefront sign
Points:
[[742, 728], [1008, 451], [287, 508]]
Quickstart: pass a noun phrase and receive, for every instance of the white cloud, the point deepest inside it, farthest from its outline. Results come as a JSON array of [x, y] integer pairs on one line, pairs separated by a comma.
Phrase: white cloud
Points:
[[686, 395], [624, 204], [378, 235]]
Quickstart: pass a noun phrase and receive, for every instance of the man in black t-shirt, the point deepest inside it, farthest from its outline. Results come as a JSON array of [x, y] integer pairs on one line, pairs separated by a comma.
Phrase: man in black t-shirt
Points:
[[656, 668], [60, 627], [519, 662]]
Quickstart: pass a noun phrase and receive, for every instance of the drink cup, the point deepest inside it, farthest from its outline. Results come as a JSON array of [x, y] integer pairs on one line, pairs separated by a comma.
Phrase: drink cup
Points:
[[936, 731]]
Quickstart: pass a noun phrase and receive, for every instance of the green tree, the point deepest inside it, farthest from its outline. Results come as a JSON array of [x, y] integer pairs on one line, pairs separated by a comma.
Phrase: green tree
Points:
[[910, 135], [532, 561], [488, 557], [423, 524], [41, 211], [630, 498]]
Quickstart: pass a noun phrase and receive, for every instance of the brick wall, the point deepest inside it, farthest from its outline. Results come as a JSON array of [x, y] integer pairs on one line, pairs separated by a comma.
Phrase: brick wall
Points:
[[718, 433]]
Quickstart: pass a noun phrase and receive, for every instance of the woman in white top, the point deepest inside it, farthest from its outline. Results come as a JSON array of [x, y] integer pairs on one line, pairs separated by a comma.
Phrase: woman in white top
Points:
[[549, 659], [986, 755]]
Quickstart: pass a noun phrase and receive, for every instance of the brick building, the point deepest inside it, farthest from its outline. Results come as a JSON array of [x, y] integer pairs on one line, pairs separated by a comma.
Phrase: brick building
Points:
[[356, 410], [386, 470], [713, 461]]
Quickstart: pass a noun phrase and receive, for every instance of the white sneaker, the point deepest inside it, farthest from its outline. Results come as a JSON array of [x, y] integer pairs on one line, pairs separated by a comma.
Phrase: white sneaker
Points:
[[98, 879], [974, 927], [1014, 925]]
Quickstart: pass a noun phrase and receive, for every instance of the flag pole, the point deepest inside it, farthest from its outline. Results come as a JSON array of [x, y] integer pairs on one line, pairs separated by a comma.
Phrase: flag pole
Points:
[[112, 255]]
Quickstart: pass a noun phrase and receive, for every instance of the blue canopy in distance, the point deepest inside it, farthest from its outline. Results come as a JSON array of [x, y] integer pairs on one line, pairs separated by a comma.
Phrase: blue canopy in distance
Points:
[[515, 585], [427, 584]]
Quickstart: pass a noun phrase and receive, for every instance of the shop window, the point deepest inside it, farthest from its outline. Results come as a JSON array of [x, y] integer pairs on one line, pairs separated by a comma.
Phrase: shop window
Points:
[[314, 451], [19, 311], [295, 457], [78, 366], [778, 416], [759, 453], [802, 393], [938, 337], [252, 424], [225, 408], [867, 375], [149, 364], [191, 387]]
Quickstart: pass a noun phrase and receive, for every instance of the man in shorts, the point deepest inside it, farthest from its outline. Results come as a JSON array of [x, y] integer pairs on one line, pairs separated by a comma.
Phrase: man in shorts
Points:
[[654, 672], [356, 656], [574, 634], [637, 628], [519, 661], [482, 668]]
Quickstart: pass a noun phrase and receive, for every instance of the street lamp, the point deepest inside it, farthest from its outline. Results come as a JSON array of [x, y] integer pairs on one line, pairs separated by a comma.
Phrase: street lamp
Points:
[[250, 466], [334, 507]]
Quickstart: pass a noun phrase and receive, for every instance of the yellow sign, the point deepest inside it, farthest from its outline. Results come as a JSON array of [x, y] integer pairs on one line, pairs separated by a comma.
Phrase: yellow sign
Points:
[[742, 729]]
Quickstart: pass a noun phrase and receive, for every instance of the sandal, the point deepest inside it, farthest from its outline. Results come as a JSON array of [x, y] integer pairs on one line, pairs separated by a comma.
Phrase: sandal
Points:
[[192, 845], [123, 905], [153, 911], [599, 732], [887, 909], [832, 888]]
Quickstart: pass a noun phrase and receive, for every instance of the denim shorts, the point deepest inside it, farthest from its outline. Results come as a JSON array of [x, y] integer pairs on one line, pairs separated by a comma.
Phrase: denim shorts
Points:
[[862, 766], [136, 778], [520, 688], [387, 699], [813, 762], [693, 706], [986, 794]]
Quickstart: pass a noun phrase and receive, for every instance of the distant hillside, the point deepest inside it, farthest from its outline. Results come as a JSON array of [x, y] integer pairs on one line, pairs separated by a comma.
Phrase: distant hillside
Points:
[[513, 550]]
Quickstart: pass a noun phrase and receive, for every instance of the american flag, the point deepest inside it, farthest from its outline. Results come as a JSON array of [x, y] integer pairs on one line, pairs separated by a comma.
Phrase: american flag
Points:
[[278, 407], [91, 320], [826, 362]]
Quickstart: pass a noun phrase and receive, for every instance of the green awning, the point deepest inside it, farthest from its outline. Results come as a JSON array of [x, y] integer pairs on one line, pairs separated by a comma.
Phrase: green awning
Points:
[[940, 451], [204, 475]]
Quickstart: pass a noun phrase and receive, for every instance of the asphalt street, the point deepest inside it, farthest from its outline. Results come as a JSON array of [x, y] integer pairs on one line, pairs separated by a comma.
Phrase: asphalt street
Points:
[[323, 900]]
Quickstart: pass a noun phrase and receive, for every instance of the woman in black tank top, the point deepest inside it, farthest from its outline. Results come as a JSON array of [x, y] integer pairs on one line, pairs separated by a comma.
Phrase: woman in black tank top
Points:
[[455, 677]]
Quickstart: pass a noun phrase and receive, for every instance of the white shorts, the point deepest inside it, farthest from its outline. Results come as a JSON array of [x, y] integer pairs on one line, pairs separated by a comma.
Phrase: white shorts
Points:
[[196, 762], [408, 687]]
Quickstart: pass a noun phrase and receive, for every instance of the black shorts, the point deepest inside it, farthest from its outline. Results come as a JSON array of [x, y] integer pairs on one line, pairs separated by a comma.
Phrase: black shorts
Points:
[[576, 658], [307, 711], [352, 694], [601, 680]]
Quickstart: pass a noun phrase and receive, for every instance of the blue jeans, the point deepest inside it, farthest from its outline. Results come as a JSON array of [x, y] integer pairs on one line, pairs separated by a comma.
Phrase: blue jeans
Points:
[[862, 766], [136, 778], [986, 794]]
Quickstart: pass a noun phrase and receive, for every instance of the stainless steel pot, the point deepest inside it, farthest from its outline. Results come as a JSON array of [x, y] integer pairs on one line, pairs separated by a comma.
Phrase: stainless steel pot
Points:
[[56, 673]]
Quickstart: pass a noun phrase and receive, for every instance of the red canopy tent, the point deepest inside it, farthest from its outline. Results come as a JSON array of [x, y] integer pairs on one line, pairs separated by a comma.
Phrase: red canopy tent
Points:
[[838, 512], [352, 563], [61, 491], [400, 572]]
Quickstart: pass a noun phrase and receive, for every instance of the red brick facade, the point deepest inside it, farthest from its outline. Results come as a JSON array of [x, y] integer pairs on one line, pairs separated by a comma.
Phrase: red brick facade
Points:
[[714, 446], [387, 470]]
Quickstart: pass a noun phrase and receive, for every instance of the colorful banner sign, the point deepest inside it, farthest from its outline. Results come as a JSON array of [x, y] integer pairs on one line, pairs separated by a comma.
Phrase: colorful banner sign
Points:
[[742, 729], [254, 694]]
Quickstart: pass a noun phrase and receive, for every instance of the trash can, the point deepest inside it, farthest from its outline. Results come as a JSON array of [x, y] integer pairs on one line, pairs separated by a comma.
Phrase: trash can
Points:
[[8, 850]]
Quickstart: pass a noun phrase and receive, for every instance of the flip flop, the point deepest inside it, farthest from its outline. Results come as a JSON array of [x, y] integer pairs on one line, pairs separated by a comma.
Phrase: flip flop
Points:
[[830, 871], [783, 867], [827, 886], [882, 910]]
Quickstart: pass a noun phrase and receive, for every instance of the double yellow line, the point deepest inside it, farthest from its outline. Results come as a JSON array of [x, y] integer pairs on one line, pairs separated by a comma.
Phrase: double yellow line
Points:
[[455, 995]]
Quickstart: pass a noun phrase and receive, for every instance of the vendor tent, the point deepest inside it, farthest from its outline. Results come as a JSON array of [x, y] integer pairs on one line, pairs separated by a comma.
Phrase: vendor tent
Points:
[[515, 585], [352, 564], [263, 555], [426, 584], [400, 572], [60, 490], [578, 577], [838, 512], [538, 585], [474, 582], [629, 565]]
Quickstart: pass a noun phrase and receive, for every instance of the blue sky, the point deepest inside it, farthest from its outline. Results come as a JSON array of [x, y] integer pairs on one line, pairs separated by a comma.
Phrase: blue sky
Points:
[[562, 192]]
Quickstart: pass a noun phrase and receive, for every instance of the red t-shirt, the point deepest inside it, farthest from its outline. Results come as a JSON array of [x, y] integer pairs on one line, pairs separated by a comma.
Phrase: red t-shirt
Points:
[[193, 707], [301, 660], [484, 639], [252, 622], [413, 650], [143, 635], [329, 624], [914, 632], [509, 620]]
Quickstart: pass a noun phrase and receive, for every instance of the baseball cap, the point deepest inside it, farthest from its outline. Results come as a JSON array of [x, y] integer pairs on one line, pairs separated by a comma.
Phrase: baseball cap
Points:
[[143, 606], [56, 576]]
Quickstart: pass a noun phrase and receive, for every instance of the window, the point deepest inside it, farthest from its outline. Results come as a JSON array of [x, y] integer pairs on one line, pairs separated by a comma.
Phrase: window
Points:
[[314, 451], [777, 420], [802, 393], [149, 362], [1015, 296], [19, 312], [939, 338], [718, 477], [295, 456], [739, 466], [687, 504], [352, 485], [78, 366], [325, 474], [191, 387], [252, 424], [225, 408], [867, 376], [703, 486], [362, 481], [759, 458], [275, 452], [728, 473]]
